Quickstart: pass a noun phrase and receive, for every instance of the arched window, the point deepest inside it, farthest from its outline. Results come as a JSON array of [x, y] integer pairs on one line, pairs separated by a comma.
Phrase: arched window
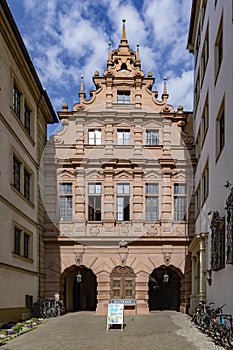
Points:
[[122, 283]]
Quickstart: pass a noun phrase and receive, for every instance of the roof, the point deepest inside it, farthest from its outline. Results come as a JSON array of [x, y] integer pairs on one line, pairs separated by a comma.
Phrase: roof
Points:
[[11, 21]]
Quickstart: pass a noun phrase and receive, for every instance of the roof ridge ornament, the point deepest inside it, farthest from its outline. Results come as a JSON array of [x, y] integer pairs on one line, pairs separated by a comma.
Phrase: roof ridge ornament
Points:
[[123, 37], [81, 93]]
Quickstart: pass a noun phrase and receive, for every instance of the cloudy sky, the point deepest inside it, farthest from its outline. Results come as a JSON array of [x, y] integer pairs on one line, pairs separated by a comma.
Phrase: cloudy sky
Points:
[[67, 39]]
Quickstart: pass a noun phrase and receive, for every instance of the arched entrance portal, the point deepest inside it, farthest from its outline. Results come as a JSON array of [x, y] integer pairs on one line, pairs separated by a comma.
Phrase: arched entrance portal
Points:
[[164, 289], [80, 289]]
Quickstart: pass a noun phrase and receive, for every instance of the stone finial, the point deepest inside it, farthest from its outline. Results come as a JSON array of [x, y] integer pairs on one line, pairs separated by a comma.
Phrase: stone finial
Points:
[[165, 95], [123, 37], [65, 107], [82, 94]]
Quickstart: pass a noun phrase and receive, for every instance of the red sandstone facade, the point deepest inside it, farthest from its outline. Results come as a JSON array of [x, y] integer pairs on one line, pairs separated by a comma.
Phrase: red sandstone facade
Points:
[[119, 182]]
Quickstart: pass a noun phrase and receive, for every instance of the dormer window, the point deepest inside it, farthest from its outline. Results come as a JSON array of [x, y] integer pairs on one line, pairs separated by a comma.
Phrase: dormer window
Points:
[[123, 96]]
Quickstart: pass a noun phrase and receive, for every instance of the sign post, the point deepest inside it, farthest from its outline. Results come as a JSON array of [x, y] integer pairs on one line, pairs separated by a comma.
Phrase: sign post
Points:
[[115, 315]]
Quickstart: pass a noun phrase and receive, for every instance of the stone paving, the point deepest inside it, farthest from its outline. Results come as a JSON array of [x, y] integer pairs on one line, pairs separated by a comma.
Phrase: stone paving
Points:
[[85, 330]]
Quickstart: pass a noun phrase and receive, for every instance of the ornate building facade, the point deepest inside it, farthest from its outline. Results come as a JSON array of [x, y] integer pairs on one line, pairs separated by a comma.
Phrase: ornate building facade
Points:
[[119, 183], [211, 30], [25, 111]]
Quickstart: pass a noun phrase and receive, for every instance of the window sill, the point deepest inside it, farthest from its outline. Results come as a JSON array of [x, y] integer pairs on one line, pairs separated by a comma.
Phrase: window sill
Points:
[[23, 258]]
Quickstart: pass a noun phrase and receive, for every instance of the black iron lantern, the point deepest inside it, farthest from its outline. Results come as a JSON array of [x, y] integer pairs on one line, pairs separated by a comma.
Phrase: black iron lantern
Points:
[[79, 277], [165, 278]]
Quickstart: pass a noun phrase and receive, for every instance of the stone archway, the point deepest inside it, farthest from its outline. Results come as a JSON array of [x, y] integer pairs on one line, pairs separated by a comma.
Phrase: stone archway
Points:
[[165, 288], [78, 287]]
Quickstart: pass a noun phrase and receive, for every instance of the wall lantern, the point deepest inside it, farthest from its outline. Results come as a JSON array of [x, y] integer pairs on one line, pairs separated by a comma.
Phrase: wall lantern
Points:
[[165, 278], [79, 277]]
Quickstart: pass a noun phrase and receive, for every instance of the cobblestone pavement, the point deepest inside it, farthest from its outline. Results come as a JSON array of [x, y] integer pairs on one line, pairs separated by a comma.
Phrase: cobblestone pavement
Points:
[[85, 330]]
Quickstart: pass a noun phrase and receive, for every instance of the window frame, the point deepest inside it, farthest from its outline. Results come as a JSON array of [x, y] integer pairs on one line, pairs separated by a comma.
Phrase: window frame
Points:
[[180, 202], [23, 243], [97, 137], [218, 50], [151, 196], [123, 96], [95, 213], [65, 206], [123, 209], [152, 137], [220, 130], [125, 139]]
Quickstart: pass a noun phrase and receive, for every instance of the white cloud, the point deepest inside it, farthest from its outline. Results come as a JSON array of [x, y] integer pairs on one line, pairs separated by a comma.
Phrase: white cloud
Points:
[[67, 39]]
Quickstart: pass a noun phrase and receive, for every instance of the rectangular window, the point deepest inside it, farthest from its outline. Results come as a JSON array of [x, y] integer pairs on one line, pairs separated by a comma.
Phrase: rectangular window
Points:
[[152, 201], [180, 202], [123, 202], [17, 101], [152, 137], [27, 185], [198, 200], [16, 173], [205, 55], [22, 243], [94, 201], [123, 97], [17, 241], [65, 200], [205, 184], [123, 137], [27, 119], [205, 121], [220, 131], [26, 252], [218, 50], [94, 137]]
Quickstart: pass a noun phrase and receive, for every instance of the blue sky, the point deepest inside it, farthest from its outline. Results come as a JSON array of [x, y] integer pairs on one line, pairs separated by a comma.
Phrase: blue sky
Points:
[[67, 39]]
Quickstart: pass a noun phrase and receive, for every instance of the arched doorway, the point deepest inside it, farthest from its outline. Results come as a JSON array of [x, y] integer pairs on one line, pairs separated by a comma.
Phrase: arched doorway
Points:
[[164, 289], [80, 289]]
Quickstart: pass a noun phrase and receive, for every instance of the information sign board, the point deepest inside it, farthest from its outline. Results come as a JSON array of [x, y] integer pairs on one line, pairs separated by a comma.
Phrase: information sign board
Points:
[[115, 315]]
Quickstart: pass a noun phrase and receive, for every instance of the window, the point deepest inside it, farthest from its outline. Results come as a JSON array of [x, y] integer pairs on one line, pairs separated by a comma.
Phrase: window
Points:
[[197, 90], [123, 97], [27, 185], [22, 110], [94, 202], [123, 137], [22, 179], [198, 200], [65, 201], [122, 283], [205, 184], [22, 243], [220, 131], [198, 143], [203, 10], [205, 120], [152, 137], [152, 201], [16, 173], [17, 101], [217, 227], [26, 245], [218, 49], [27, 119], [17, 245], [179, 202], [205, 55], [94, 137], [123, 202]]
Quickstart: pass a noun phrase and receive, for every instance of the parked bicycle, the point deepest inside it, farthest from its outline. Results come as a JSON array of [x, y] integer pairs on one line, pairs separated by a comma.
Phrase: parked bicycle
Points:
[[214, 322], [51, 308]]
